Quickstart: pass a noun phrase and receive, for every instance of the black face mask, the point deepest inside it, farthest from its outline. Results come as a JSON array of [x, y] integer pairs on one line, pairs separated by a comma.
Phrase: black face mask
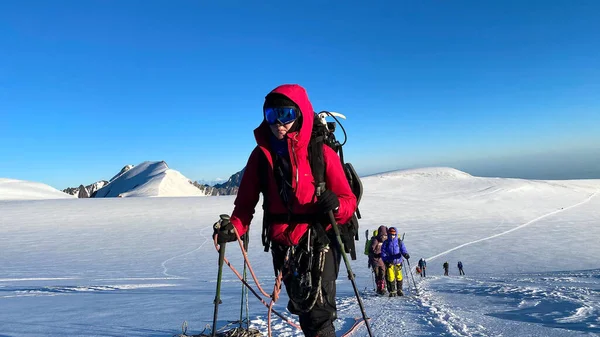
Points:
[[296, 126]]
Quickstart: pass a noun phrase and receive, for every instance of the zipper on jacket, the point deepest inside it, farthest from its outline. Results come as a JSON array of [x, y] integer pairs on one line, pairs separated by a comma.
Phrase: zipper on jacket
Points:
[[295, 160]]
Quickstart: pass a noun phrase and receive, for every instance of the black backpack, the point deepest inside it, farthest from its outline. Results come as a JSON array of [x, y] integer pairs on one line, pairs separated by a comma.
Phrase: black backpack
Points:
[[323, 134]]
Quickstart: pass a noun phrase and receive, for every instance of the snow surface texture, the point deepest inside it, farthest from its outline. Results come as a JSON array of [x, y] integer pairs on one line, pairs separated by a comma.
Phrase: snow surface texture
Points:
[[142, 266], [13, 189], [149, 179]]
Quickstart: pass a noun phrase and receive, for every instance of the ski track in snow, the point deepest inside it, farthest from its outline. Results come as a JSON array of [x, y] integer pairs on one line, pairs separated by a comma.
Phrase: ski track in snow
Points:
[[516, 228], [37, 279], [164, 264], [58, 290]]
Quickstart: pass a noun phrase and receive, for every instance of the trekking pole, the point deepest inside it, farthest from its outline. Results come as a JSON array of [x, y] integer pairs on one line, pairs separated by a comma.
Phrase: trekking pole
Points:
[[411, 273], [405, 276], [373, 279], [349, 269], [244, 290], [371, 267], [413, 278], [403, 271], [219, 276], [410, 270]]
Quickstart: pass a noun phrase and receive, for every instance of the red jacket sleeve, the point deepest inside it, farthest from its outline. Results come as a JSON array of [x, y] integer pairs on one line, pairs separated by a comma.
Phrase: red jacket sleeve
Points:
[[336, 181], [248, 193]]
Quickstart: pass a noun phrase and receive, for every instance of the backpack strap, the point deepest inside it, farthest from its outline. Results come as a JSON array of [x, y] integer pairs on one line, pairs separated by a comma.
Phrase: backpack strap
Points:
[[316, 157], [263, 169]]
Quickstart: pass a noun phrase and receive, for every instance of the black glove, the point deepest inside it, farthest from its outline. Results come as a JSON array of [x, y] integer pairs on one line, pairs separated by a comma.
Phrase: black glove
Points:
[[328, 201], [406, 256], [224, 230]]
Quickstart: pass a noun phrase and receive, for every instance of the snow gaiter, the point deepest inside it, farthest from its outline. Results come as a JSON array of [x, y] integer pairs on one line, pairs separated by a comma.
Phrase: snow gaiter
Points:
[[399, 290], [391, 288]]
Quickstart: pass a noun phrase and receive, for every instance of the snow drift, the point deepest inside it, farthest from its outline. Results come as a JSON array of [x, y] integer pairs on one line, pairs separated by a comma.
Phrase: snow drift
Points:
[[13, 189]]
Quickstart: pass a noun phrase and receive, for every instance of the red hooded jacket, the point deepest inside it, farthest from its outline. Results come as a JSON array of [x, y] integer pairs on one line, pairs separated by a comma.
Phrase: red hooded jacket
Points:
[[303, 183]]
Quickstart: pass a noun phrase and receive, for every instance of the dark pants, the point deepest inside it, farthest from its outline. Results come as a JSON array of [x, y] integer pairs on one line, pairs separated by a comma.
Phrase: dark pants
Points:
[[320, 318], [379, 272], [461, 272]]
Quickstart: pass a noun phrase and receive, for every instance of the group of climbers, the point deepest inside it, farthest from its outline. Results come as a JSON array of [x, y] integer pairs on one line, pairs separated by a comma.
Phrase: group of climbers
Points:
[[386, 253]]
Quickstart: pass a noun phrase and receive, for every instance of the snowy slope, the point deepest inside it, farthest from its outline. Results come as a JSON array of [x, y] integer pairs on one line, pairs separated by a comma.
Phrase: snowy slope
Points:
[[469, 207], [142, 266], [13, 189], [123, 170], [149, 179]]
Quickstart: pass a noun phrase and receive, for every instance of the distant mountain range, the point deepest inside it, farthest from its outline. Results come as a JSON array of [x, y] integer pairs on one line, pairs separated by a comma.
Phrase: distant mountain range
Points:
[[85, 191], [153, 179]]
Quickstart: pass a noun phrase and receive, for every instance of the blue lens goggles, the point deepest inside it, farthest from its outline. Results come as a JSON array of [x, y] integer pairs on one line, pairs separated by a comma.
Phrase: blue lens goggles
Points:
[[283, 115]]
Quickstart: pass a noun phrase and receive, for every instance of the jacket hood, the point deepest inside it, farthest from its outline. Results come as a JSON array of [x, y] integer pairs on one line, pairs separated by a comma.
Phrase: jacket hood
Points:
[[298, 95], [382, 233]]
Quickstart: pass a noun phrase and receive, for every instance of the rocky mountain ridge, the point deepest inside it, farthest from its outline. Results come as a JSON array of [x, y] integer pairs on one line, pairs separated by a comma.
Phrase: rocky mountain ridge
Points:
[[230, 187]]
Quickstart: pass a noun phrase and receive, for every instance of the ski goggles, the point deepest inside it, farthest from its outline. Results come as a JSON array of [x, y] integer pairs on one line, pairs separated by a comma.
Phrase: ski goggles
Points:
[[283, 115]]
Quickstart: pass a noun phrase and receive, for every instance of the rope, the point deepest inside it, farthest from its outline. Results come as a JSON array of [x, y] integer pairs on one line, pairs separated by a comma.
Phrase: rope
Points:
[[359, 322], [274, 296]]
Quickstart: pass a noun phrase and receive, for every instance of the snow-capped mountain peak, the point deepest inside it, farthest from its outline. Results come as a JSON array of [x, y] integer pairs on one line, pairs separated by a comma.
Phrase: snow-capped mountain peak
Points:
[[149, 179]]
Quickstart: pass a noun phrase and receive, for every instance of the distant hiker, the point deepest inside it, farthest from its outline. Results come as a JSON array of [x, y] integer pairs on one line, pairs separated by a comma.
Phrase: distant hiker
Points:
[[279, 168], [392, 251], [460, 268], [446, 266], [422, 267], [376, 261]]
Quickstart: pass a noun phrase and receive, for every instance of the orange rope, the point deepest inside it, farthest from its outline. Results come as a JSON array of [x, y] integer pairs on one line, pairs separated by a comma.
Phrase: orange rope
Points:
[[276, 290], [354, 327]]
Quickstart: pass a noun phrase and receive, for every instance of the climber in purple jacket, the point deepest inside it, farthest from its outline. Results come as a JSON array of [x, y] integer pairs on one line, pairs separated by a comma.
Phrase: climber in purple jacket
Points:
[[392, 252]]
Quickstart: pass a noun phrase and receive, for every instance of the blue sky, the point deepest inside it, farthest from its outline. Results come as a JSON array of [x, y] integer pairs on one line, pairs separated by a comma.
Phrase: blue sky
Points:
[[501, 88]]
